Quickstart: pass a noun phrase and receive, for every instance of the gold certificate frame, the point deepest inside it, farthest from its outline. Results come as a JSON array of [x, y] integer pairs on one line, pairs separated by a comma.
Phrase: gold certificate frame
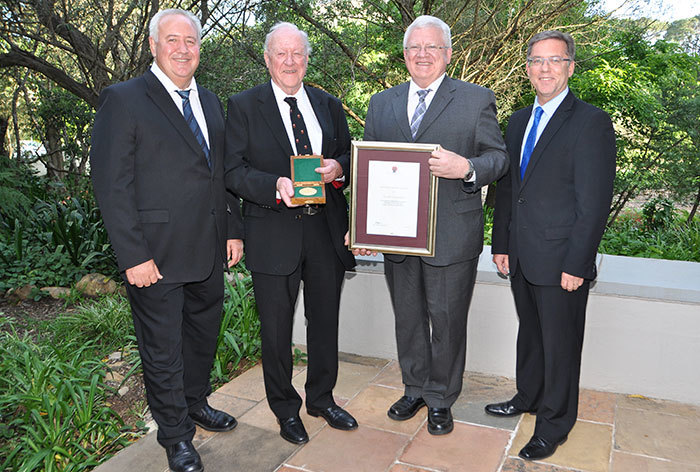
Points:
[[393, 198]]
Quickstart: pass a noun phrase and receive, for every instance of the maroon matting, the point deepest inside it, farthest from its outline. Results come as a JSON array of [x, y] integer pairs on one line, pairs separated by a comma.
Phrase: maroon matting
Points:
[[364, 156]]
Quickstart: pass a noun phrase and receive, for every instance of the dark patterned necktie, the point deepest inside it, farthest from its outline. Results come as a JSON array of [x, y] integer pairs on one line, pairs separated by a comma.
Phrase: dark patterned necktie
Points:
[[420, 111], [301, 136], [192, 123], [530, 142]]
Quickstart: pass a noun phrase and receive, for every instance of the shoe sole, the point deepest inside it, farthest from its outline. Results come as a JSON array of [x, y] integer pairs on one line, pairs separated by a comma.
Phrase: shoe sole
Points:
[[507, 415], [342, 428], [215, 430], [395, 417]]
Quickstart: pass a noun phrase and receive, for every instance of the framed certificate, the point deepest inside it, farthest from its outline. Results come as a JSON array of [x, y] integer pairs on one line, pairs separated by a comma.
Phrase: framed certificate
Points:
[[308, 184], [393, 198]]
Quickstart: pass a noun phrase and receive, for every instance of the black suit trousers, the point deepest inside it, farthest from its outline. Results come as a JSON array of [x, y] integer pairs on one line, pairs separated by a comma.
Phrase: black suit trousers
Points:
[[177, 325], [322, 272], [550, 339]]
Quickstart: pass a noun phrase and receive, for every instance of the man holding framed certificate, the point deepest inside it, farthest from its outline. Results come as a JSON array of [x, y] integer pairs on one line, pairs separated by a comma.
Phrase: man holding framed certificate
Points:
[[431, 295]]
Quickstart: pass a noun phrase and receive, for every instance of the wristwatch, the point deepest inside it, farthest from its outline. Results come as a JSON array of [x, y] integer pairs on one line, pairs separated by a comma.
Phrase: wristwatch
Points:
[[469, 174]]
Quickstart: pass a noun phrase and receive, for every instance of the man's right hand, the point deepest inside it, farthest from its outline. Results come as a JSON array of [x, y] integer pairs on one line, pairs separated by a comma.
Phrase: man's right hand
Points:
[[144, 274], [501, 261], [286, 191]]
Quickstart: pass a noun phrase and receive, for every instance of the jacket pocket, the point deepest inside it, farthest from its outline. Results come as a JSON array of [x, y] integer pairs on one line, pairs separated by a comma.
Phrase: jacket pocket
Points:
[[154, 216], [557, 232]]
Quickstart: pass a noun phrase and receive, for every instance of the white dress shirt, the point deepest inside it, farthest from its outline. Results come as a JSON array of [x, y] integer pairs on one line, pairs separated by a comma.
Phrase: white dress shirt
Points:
[[548, 110], [313, 128], [195, 103]]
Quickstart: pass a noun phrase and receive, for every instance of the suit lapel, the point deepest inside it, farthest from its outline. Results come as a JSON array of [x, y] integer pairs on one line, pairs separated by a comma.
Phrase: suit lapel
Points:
[[443, 96], [518, 136], [163, 100], [323, 115], [560, 117], [400, 106], [210, 107], [271, 112]]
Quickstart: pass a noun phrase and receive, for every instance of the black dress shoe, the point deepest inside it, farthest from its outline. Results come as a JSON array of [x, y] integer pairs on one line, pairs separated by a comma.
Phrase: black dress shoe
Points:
[[405, 408], [336, 417], [539, 448], [214, 420], [183, 457], [292, 429], [504, 409], [440, 421]]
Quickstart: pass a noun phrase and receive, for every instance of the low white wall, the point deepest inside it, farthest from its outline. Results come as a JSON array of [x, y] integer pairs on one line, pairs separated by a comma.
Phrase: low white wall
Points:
[[642, 328]]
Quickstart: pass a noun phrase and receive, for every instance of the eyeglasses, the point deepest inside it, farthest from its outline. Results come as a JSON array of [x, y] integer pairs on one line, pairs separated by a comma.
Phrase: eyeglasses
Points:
[[430, 48], [554, 61]]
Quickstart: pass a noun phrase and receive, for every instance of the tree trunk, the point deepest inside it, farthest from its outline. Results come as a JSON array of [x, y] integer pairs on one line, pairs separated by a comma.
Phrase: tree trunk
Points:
[[4, 123], [694, 209]]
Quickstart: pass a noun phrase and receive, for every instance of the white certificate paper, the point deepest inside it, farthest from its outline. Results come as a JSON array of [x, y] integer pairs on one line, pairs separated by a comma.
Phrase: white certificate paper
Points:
[[392, 198]]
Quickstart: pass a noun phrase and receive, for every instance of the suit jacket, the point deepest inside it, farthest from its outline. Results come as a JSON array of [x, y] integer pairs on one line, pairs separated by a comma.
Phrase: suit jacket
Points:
[[257, 154], [461, 118], [158, 198], [552, 221]]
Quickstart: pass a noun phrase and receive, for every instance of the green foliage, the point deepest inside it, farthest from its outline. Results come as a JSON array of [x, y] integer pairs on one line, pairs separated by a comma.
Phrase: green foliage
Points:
[[655, 232], [106, 320], [299, 356], [53, 410], [239, 333]]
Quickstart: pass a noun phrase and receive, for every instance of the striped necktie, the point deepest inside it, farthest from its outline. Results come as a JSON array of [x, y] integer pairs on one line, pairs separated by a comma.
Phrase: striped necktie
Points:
[[420, 111], [192, 123]]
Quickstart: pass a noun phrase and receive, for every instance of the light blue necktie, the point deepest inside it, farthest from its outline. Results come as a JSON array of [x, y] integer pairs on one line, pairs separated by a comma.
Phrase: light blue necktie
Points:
[[420, 111], [192, 123], [530, 142]]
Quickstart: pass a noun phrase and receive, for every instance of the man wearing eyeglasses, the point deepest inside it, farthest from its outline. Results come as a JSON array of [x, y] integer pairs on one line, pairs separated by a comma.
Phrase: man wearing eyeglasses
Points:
[[431, 295], [551, 210]]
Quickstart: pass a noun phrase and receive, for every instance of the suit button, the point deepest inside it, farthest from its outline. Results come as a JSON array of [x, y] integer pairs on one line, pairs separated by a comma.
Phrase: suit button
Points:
[[521, 200], [297, 217]]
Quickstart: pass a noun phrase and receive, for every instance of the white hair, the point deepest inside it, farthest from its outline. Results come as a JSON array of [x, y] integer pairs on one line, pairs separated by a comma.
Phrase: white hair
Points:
[[427, 21], [158, 17], [293, 27]]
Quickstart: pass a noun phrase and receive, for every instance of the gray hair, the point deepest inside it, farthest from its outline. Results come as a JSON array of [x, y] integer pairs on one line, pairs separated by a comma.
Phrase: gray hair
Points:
[[554, 34], [158, 17], [427, 21], [293, 27]]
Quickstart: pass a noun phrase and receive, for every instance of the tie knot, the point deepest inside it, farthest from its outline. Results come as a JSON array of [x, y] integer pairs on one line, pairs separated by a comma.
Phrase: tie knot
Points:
[[422, 94], [185, 94], [291, 101]]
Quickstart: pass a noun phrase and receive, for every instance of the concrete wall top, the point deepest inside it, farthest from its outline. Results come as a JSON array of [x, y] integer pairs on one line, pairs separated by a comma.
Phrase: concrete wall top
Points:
[[659, 279]]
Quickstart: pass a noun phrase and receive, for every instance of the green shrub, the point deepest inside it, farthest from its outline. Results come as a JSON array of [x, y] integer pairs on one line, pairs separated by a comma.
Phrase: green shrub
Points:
[[53, 407]]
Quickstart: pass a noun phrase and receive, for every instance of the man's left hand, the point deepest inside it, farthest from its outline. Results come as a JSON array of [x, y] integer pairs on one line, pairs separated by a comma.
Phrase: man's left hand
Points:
[[570, 282], [448, 164], [330, 171], [234, 251]]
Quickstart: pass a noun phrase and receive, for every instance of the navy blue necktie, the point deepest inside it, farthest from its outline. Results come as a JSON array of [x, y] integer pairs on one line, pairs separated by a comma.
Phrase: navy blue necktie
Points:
[[301, 136], [192, 123], [530, 142]]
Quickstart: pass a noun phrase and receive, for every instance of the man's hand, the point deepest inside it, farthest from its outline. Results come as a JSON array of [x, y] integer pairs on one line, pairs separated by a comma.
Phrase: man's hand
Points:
[[502, 263], [144, 274], [570, 282], [234, 251], [358, 252], [448, 165], [330, 171], [286, 191]]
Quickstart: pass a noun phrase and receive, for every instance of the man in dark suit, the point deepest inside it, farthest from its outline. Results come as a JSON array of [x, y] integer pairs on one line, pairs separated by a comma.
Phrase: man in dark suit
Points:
[[158, 173], [431, 295], [551, 210], [287, 244]]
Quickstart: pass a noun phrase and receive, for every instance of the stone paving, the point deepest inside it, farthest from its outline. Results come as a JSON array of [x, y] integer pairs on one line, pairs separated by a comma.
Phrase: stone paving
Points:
[[614, 432]]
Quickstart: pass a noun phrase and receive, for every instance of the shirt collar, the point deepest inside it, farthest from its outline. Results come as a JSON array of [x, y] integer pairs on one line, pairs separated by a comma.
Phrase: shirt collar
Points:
[[280, 94], [169, 84], [413, 87], [551, 106]]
